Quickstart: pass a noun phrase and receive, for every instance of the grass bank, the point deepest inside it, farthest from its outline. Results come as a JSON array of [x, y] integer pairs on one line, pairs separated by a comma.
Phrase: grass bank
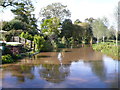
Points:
[[108, 48]]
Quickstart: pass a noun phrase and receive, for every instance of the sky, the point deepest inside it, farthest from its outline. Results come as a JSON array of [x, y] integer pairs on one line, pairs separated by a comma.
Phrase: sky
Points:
[[80, 9]]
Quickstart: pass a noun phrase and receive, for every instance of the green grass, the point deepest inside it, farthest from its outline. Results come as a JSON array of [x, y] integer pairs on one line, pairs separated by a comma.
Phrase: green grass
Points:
[[108, 48]]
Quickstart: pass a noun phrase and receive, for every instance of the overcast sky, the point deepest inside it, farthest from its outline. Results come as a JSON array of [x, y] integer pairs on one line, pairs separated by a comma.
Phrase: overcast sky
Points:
[[80, 9]]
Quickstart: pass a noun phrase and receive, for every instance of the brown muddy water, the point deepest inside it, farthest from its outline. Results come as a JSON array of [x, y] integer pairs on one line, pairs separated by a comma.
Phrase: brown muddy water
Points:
[[69, 68]]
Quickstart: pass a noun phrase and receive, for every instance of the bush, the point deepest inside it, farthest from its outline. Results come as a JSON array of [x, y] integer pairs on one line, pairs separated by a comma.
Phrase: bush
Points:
[[47, 46], [39, 41], [60, 45], [17, 56], [7, 59], [8, 37]]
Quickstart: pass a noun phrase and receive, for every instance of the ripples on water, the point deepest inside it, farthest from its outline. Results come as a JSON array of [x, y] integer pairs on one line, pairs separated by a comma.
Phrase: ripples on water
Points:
[[70, 68]]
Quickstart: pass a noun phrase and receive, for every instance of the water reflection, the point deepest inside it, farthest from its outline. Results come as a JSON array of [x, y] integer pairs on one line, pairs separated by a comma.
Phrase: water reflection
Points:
[[70, 68], [54, 73], [60, 57], [99, 69], [21, 72]]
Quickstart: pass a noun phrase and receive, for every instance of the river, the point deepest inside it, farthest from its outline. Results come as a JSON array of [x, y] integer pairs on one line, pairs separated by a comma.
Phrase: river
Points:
[[68, 68]]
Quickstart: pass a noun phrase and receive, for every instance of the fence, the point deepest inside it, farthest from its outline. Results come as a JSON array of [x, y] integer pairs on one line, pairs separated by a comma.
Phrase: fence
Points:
[[25, 42]]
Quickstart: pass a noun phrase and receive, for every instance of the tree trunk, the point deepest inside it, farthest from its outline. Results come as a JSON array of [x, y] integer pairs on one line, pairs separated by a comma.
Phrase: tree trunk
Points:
[[97, 40], [91, 41], [116, 38], [103, 38]]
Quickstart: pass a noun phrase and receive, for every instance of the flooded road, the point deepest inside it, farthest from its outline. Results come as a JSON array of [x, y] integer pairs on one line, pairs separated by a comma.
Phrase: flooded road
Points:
[[69, 68]]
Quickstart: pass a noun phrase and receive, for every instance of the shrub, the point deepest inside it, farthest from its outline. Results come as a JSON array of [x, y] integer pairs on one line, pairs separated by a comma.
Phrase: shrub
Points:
[[38, 40], [47, 46], [7, 59], [17, 56], [61, 45]]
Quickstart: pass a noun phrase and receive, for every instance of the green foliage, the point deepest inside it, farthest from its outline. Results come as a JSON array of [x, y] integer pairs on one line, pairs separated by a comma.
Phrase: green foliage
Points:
[[38, 40], [77, 21], [8, 37], [67, 29], [61, 45], [47, 46], [17, 56], [99, 29], [14, 24], [108, 48], [7, 59], [50, 26], [69, 33], [76, 33], [86, 32], [12, 33], [23, 11], [90, 20], [10, 58], [63, 41], [26, 35], [13, 28], [22, 35]]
